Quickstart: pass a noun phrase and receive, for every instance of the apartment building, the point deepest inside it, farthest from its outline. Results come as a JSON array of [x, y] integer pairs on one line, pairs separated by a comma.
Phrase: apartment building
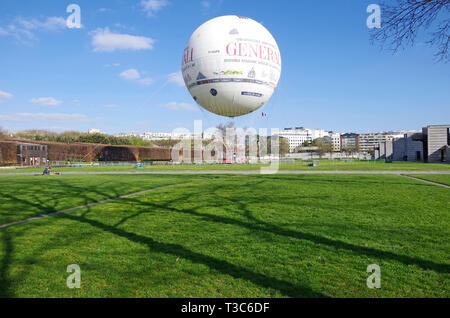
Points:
[[368, 142], [350, 142]]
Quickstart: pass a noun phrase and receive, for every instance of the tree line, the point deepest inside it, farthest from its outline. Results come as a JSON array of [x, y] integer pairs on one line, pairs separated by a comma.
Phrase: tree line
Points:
[[104, 139], [79, 137]]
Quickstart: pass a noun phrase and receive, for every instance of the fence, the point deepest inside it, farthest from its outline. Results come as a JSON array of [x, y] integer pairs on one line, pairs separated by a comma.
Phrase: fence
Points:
[[286, 160]]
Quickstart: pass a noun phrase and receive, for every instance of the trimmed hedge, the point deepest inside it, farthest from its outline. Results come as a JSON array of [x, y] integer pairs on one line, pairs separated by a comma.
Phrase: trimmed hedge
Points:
[[8, 152], [86, 152]]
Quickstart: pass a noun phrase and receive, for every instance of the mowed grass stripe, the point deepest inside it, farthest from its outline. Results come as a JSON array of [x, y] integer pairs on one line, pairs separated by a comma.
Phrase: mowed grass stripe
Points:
[[241, 236]]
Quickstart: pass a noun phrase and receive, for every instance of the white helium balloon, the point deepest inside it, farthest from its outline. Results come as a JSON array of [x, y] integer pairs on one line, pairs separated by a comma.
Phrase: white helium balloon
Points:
[[231, 65]]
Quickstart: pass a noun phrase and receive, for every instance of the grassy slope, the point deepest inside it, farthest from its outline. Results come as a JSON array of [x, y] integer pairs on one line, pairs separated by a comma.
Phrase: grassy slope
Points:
[[298, 165], [439, 178], [240, 236]]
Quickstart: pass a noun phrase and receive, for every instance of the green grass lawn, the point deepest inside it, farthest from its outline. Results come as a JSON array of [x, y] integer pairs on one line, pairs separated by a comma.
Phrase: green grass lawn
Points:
[[338, 165], [439, 178], [228, 236], [22, 197]]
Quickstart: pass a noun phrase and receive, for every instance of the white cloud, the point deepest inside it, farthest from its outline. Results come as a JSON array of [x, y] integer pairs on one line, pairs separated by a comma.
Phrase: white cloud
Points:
[[176, 78], [5, 96], [134, 75], [52, 117], [151, 7], [20, 34], [49, 24], [23, 29], [104, 40], [46, 101], [131, 74], [181, 106]]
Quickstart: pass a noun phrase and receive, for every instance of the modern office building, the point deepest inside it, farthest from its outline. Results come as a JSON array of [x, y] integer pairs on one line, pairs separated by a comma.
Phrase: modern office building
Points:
[[368, 142], [296, 137], [430, 145], [299, 135], [436, 143], [384, 150], [318, 133], [350, 142], [336, 139], [159, 135]]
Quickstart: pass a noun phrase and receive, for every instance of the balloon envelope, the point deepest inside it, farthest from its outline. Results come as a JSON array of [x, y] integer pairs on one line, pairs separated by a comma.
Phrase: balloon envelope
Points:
[[231, 65]]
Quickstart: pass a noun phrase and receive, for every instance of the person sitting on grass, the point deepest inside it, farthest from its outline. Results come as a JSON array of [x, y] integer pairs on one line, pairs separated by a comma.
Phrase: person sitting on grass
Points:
[[46, 171]]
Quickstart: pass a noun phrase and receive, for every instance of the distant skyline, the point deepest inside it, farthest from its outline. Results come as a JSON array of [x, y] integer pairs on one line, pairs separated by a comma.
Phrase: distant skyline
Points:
[[95, 130], [120, 72]]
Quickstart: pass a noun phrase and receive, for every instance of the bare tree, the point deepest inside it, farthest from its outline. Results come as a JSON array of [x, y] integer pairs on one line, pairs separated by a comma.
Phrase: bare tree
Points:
[[223, 128], [3, 133], [323, 146], [402, 21]]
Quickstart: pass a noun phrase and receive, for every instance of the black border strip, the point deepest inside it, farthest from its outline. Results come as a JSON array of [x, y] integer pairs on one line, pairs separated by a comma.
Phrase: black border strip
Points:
[[281, 306]]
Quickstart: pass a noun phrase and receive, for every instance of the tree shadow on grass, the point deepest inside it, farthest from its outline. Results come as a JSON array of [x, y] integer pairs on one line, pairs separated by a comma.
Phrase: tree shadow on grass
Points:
[[39, 203], [364, 180], [5, 284], [222, 266], [286, 288], [258, 225]]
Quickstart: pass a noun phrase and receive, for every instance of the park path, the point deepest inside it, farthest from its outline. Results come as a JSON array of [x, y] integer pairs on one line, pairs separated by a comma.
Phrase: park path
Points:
[[428, 181]]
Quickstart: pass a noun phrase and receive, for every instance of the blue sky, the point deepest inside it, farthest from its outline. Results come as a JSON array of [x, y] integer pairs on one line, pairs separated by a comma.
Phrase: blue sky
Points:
[[119, 72]]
